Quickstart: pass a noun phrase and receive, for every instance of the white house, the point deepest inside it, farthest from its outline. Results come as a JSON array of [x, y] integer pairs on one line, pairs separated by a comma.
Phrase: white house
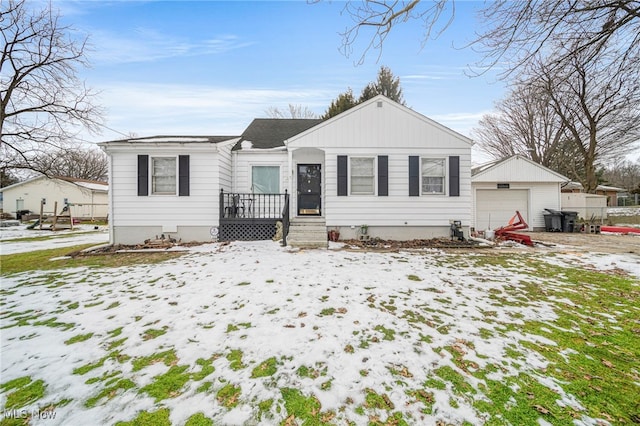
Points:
[[515, 183], [379, 164], [383, 165], [167, 185], [88, 198]]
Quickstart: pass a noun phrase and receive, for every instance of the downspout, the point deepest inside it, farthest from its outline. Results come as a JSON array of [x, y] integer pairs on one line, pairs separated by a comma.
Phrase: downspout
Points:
[[110, 197]]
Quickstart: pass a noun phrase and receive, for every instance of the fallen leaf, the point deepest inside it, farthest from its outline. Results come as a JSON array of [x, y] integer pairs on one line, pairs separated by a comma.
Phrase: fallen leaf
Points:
[[607, 363], [541, 409]]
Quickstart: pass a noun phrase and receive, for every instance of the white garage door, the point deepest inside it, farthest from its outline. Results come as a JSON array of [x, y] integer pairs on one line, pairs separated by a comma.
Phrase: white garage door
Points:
[[494, 207]]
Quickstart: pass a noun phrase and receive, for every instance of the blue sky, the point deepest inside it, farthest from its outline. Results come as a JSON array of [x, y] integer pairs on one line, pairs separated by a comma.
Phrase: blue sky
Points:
[[210, 67]]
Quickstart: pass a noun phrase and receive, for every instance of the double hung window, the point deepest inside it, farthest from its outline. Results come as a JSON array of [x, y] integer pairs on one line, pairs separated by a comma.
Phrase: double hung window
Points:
[[362, 175], [433, 175], [163, 175]]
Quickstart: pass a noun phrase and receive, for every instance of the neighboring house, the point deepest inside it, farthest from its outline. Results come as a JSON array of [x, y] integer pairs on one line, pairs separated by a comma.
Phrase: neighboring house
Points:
[[515, 183], [88, 199], [588, 206], [379, 166], [611, 192]]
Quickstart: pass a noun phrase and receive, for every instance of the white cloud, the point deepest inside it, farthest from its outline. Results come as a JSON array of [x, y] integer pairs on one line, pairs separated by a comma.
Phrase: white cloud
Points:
[[150, 45], [155, 109]]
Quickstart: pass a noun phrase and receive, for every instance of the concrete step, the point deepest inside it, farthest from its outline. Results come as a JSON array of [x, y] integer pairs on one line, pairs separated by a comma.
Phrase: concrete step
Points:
[[308, 233]]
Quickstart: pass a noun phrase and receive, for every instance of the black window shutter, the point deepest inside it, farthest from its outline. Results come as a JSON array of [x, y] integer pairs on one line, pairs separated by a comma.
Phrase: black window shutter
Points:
[[143, 175], [383, 175], [454, 176], [183, 175], [414, 176], [342, 175]]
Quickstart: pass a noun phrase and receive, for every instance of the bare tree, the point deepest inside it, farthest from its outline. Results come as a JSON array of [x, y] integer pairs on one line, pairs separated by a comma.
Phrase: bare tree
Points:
[[513, 32], [517, 32], [294, 111], [42, 100], [82, 163], [623, 174], [596, 102], [379, 17], [523, 123]]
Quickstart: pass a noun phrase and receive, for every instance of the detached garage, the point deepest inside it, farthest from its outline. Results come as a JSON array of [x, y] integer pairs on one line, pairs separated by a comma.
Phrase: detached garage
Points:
[[501, 187]]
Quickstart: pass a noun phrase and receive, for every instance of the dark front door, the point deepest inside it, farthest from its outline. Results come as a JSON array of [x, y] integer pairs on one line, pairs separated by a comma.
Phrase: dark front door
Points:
[[309, 184]]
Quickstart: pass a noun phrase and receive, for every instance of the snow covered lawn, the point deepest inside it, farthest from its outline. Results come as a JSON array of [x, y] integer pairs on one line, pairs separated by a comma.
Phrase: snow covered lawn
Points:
[[252, 333]]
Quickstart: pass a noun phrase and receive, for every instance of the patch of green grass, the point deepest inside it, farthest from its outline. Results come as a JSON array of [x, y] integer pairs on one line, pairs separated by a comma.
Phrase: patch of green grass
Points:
[[51, 322], [425, 397], [327, 311], [152, 333], [204, 387], [264, 408], [232, 327], [78, 338], [167, 357], [235, 360], [305, 409], [110, 392], [39, 259], [243, 283], [312, 372], [459, 385], [205, 368], [414, 278], [25, 391], [375, 401], [229, 395], [145, 418], [199, 419], [169, 384], [114, 344], [265, 368], [388, 333]]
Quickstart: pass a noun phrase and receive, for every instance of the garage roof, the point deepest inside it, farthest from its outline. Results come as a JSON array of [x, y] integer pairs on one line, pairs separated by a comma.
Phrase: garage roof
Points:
[[515, 169]]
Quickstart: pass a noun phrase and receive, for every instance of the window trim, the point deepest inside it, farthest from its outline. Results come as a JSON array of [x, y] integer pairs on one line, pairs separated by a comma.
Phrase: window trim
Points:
[[373, 176], [444, 176], [252, 165], [152, 176]]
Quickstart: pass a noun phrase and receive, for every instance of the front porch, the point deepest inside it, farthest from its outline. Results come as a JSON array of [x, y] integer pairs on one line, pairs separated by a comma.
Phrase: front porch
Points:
[[252, 217]]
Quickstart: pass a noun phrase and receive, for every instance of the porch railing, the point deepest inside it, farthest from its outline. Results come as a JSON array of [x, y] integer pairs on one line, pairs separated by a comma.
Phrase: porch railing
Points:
[[251, 216], [240, 205], [285, 218]]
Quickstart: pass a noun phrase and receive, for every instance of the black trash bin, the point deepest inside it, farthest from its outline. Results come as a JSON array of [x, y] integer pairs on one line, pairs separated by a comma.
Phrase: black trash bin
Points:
[[553, 221], [569, 220], [21, 213]]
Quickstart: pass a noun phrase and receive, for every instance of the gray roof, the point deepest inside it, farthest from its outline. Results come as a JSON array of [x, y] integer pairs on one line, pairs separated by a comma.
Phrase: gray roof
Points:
[[264, 133], [180, 138]]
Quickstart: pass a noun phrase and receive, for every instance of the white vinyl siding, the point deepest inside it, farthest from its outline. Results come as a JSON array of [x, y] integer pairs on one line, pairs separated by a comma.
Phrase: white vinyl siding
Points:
[[397, 209], [362, 175], [199, 209], [433, 175], [163, 175], [265, 179]]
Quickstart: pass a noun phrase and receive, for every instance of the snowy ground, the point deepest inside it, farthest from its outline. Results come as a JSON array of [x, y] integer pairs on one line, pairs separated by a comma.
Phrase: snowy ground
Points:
[[10, 238], [338, 325]]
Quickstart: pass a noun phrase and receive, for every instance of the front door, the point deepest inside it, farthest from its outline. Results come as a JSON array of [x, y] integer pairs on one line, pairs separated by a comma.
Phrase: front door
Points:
[[309, 193]]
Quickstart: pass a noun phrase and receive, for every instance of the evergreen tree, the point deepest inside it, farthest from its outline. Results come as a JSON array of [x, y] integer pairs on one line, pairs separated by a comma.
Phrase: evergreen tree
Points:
[[343, 102], [387, 85]]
